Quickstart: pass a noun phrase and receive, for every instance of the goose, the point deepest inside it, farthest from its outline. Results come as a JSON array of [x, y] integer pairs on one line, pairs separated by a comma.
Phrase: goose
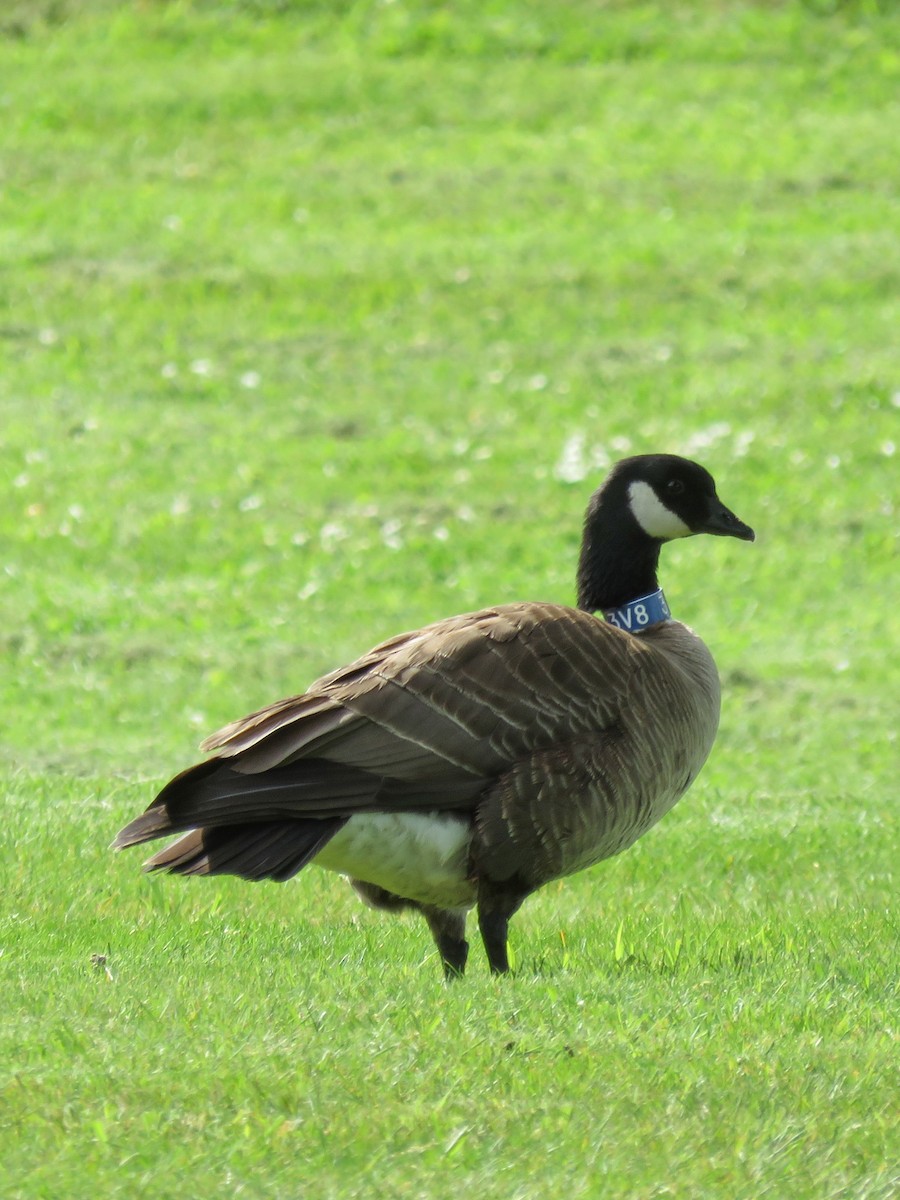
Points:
[[468, 763]]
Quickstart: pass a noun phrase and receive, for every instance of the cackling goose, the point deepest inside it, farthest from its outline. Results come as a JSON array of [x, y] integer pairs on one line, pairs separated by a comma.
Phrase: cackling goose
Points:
[[470, 762]]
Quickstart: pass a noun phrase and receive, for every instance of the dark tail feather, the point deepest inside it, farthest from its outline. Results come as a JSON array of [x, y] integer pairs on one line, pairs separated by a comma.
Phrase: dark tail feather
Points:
[[264, 850], [212, 794], [153, 823], [157, 821]]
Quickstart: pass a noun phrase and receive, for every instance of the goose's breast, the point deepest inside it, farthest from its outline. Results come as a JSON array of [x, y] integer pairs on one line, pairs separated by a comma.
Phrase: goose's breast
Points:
[[419, 856]]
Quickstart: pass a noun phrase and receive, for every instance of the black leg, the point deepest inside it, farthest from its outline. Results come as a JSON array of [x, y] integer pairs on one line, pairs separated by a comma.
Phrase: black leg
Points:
[[379, 897], [448, 928], [496, 904], [447, 925]]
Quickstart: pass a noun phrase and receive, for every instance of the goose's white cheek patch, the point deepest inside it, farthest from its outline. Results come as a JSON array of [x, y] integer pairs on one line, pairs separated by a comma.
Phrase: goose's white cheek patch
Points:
[[653, 516]]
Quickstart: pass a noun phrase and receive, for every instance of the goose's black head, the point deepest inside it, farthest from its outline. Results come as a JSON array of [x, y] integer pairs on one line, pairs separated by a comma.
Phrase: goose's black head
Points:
[[645, 501]]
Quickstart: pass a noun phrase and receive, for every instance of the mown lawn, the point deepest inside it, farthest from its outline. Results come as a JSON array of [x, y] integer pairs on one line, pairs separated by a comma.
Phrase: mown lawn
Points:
[[322, 320]]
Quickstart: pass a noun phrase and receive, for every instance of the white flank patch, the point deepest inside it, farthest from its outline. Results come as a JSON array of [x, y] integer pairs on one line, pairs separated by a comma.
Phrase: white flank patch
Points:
[[419, 856], [653, 516]]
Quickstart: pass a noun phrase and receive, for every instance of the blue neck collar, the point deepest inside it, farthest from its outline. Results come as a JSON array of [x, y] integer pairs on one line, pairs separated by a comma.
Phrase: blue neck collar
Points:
[[640, 614]]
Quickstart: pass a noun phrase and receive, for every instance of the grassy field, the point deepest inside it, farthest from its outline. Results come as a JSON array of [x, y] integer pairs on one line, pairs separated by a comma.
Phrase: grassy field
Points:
[[322, 320]]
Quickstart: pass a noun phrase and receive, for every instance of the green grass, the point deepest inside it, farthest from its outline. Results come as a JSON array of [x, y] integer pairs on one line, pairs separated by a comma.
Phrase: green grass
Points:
[[319, 321]]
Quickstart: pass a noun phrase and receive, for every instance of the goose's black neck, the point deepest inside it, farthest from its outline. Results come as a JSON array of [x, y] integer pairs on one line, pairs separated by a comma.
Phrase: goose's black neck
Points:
[[618, 559]]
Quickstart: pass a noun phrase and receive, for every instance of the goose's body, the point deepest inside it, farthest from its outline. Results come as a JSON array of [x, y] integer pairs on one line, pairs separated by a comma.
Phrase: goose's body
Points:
[[471, 761]]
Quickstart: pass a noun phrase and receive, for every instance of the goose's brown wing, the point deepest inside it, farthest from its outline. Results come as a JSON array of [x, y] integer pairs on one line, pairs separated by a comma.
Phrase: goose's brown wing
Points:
[[426, 720], [469, 695]]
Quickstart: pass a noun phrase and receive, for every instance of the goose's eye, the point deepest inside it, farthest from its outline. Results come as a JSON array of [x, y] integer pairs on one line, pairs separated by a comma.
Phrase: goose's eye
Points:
[[675, 487]]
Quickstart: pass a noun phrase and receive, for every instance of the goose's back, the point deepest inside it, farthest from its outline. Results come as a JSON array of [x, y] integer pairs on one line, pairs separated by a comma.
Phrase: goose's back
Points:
[[464, 698]]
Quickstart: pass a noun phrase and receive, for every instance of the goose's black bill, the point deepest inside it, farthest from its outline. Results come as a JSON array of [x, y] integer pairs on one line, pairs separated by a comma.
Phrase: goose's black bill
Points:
[[722, 522]]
